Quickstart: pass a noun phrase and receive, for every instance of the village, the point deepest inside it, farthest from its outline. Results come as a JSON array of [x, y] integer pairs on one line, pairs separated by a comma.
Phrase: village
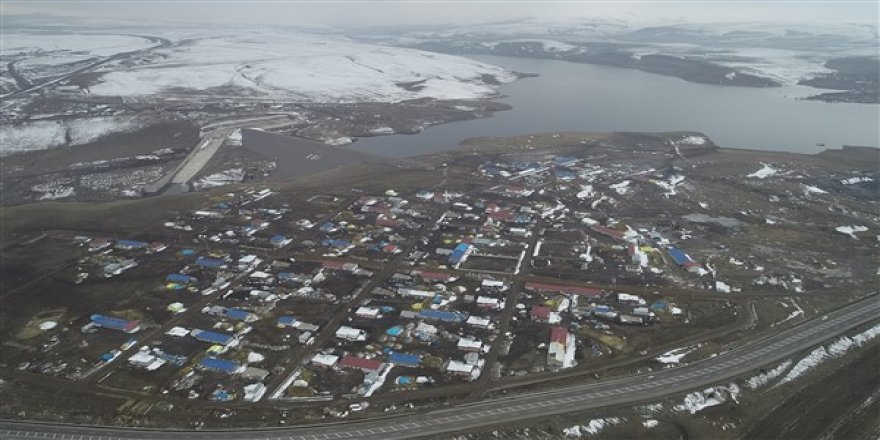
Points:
[[252, 297]]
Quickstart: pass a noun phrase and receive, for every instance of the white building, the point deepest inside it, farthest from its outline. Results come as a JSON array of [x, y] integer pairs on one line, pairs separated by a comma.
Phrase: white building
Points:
[[325, 360], [479, 322], [254, 392], [146, 360], [415, 293], [351, 334], [458, 368], [467, 344], [493, 284], [368, 312], [489, 303]]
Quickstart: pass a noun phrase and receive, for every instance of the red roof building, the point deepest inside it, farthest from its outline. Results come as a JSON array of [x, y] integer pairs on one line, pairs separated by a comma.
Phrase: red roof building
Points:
[[332, 264], [365, 365], [503, 215], [607, 231], [437, 276], [558, 334], [540, 313]]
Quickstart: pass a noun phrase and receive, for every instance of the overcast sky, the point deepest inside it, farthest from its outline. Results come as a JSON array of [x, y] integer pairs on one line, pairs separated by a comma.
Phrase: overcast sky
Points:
[[346, 13]]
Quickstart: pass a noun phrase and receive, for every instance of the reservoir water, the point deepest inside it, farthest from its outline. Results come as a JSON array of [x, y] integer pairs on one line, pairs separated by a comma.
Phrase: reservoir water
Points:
[[582, 97]]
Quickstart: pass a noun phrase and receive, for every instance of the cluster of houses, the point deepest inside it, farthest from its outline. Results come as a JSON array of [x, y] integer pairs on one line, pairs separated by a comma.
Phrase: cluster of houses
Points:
[[256, 280], [112, 257]]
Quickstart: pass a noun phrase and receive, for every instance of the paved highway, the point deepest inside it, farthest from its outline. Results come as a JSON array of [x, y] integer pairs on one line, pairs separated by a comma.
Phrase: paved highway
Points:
[[523, 406]]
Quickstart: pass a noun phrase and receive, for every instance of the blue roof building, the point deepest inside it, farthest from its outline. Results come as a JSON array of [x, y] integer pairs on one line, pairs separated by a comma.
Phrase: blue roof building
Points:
[[179, 278], [209, 262], [285, 321], [239, 314], [444, 316], [679, 256], [491, 170], [460, 253], [219, 365], [212, 337], [336, 243], [407, 360], [522, 218], [131, 244], [278, 240], [564, 174], [173, 358], [114, 323]]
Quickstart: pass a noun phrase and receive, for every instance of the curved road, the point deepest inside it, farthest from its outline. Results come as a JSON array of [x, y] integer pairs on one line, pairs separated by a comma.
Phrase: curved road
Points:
[[523, 406]]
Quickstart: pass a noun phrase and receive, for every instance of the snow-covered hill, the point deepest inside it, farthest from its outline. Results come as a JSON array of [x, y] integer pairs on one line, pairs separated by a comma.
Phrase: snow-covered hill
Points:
[[315, 68], [784, 53]]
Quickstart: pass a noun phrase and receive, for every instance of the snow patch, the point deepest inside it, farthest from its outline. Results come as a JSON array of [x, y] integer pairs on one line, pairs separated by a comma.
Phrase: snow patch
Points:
[[675, 356], [670, 185], [836, 349], [851, 230], [593, 427], [721, 286], [621, 187], [700, 400], [382, 130], [233, 175], [809, 189], [586, 192], [855, 180], [650, 423], [765, 172], [343, 140], [763, 379]]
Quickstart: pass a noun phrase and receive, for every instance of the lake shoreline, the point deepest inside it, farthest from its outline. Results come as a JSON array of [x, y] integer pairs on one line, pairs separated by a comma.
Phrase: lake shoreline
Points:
[[568, 96]]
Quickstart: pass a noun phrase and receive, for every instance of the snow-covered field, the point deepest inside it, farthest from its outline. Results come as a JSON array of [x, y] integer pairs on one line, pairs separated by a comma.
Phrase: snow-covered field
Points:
[[69, 47], [784, 52], [45, 134], [785, 66], [318, 68]]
